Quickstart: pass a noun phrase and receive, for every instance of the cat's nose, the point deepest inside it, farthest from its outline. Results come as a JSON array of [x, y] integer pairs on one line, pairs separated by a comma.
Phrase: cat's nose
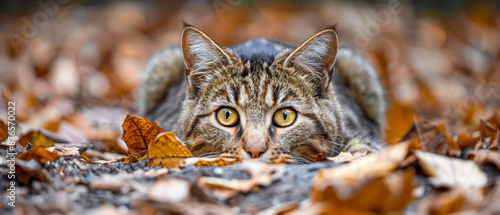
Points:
[[255, 152]]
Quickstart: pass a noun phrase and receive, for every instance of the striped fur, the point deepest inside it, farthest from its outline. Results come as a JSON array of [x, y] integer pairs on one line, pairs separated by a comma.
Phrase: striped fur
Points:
[[259, 77]]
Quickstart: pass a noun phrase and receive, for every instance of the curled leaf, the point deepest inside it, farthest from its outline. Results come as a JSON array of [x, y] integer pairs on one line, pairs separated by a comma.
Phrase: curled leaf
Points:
[[138, 132], [451, 172], [36, 138]]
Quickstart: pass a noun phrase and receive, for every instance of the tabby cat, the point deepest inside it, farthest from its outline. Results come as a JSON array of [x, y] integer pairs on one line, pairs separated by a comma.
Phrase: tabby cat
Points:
[[264, 98]]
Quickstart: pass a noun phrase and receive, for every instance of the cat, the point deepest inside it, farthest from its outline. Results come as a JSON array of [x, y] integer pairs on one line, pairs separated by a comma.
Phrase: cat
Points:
[[264, 99]]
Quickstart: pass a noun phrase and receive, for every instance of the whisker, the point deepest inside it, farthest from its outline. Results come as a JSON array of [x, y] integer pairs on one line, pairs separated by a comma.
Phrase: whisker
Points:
[[335, 143], [215, 154]]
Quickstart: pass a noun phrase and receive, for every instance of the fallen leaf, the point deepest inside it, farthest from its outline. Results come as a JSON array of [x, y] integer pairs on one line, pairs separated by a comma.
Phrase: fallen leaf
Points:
[[165, 145], [432, 137], [132, 158], [30, 169], [399, 117], [138, 132], [365, 167], [167, 162], [153, 173], [382, 194], [39, 154], [3, 131], [451, 202], [218, 161], [487, 130], [169, 190], [451, 172], [109, 182], [64, 151], [465, 140], [166, 151], [346, 157], [484, 156], [495, 119], [104, 209], [36, 138], [491, 204], [320, 158], [262, 175]]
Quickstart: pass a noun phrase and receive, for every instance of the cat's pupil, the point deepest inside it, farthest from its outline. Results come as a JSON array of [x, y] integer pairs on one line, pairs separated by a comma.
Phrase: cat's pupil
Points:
[[285, 114], [228, 113]]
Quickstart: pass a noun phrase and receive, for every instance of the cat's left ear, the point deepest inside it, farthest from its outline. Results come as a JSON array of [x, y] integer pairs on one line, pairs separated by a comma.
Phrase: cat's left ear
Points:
[[317, 54], [199, 50]]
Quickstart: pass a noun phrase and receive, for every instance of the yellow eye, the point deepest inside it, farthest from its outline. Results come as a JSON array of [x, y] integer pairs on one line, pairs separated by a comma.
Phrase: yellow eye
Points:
[[284, 117], [227, 116]]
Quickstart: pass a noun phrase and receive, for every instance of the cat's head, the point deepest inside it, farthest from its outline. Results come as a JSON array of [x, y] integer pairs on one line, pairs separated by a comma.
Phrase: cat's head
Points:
[[284, 111]]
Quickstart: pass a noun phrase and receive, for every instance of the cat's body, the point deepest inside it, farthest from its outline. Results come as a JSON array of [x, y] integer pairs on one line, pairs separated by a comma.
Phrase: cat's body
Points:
[[198, 89]]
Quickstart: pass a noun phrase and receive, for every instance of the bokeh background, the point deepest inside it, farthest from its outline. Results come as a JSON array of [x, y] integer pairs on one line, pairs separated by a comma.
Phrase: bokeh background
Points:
[[73, 67]]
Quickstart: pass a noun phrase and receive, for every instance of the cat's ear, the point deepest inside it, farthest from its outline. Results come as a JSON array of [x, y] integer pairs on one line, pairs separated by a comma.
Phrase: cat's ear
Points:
[[317, 54], [199, 50]]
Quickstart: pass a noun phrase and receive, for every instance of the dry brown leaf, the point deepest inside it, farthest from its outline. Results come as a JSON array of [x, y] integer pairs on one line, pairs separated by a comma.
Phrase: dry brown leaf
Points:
[[366, 167], [167, 162], [64, 151], [218, 161], [104, 209], [138, 132], [132, 158], [487, 129], [432, 137], [40, 154], [169, 190], [165, 145], [280, 209], [451, 202], [491, 203], [451, 172], [153, 173], [495, 119], [484, 156], [382, 194], [36, 138], [262, 175], [109, 182], [320, 157], [346, 157], [399, 118], [30, 169], [465, 140], [3, 131], [166, 151]]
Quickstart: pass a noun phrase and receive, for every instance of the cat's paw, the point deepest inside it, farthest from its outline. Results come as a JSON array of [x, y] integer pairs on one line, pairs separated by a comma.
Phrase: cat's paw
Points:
[[361, 145]]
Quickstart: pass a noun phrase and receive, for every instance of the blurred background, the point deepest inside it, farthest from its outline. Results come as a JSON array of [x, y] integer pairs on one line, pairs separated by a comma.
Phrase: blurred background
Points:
[[73, 67]]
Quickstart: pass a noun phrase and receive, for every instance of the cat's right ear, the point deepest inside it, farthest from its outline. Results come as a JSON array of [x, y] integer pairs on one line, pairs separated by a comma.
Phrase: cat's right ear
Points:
[[199, 50]]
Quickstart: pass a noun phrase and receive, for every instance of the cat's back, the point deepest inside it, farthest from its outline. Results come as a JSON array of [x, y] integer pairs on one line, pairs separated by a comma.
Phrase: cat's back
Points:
[[259, 49]]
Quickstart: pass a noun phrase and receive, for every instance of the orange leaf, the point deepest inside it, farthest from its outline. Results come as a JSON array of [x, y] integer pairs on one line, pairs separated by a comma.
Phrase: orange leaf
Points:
[[40, 154], [366, 167], [346, 157], [487, 130], [399, 118], [133, 158], [37, 138], [167, 162], [220, 161], [166, 146], [382, 194], [3, 131], [138, 132], [465, 140]]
